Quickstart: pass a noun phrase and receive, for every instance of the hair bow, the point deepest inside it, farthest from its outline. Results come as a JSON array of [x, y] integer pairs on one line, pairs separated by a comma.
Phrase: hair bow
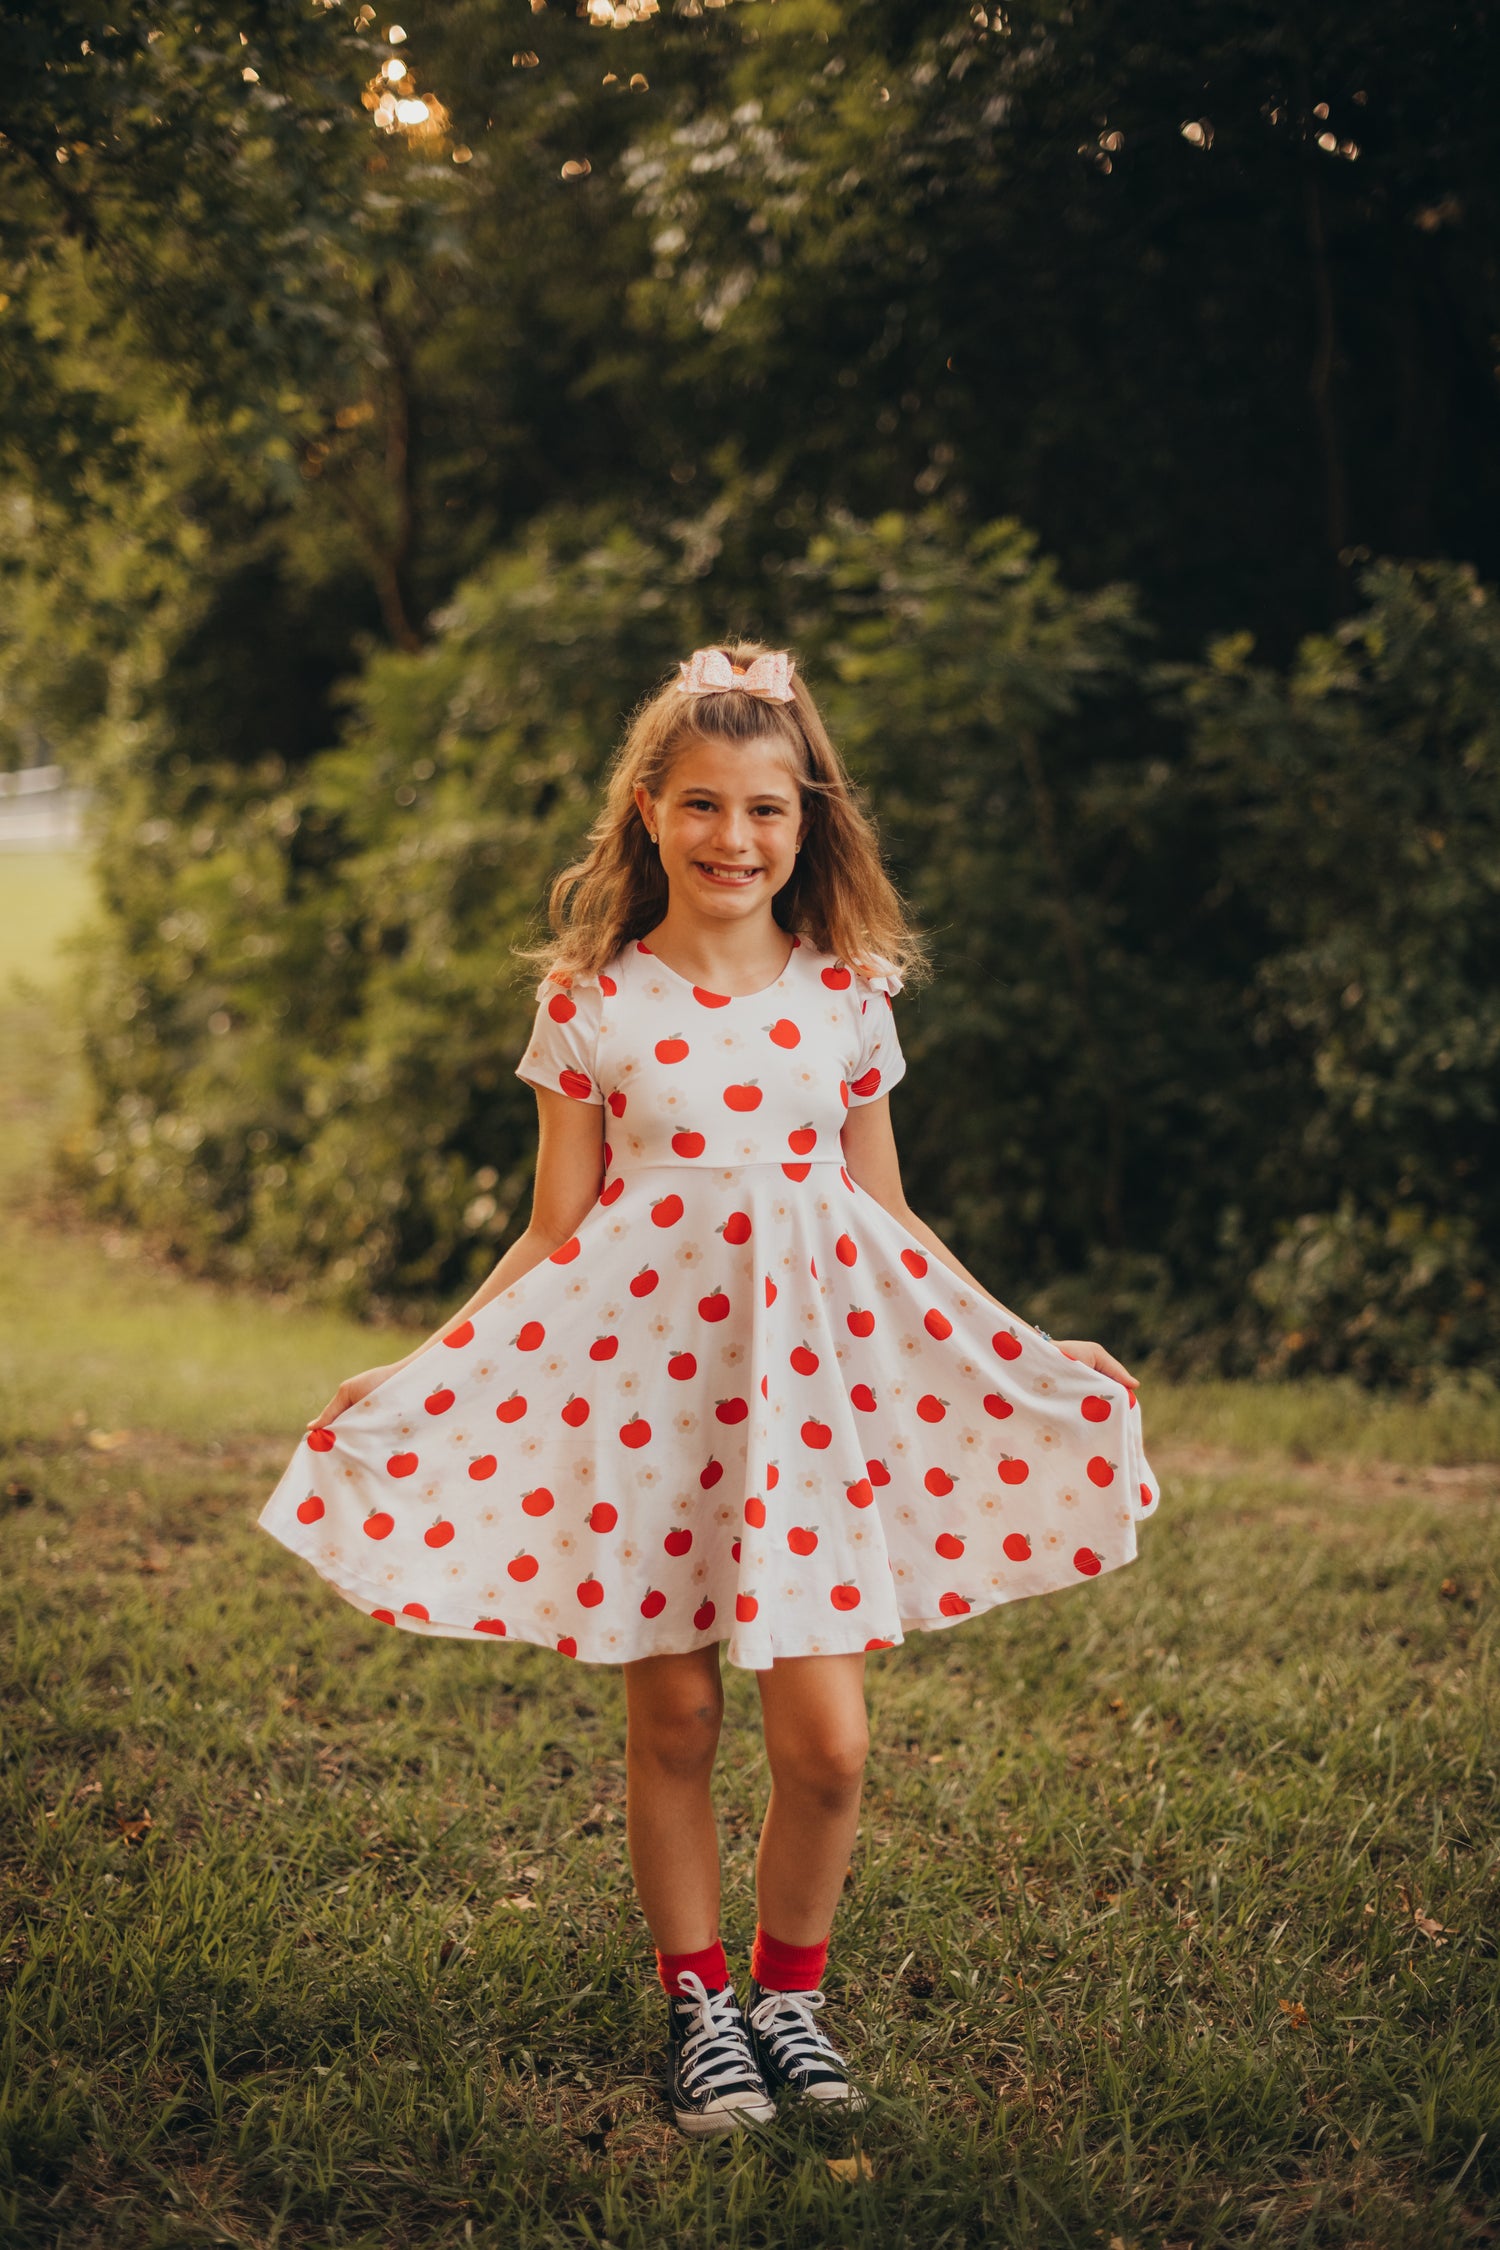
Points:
[[708, 671]]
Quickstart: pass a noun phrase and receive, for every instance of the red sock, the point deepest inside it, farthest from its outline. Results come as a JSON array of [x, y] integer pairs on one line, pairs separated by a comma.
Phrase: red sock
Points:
[[709, 1964], [786, 1968]]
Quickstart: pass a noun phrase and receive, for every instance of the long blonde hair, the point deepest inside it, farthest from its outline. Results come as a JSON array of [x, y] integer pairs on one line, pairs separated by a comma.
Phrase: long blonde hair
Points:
[[838, 897]]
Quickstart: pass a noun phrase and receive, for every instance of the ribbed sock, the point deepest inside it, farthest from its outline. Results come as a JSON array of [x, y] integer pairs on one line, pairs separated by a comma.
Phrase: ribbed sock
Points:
[[786, 1968], [709, 1964]]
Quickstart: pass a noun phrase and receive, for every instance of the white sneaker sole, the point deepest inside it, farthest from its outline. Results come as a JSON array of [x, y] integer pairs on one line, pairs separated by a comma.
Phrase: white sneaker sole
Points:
[[701, 2124]]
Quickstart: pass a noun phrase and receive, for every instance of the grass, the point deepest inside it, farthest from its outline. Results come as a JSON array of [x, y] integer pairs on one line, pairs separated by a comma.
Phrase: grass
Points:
[[1171, 1921]]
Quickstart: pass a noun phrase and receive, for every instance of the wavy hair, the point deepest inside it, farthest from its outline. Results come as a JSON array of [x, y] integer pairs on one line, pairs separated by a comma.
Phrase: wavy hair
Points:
[[838, 896]]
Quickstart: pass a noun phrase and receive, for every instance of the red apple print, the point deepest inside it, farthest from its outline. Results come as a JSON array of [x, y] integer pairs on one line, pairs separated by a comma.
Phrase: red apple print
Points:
[[784, 1033], [590, 1592], [1012, 1471], [654, 1604], [844, 1098], [948, 1545], [671, 1050], [765, 1387], [576, 1412], [914, 1262], [1101, 1471], [481, 1466], [416, 1609], [1016, 1546], [802, 1539], [603, 1516], [803, 1141], [462, 1334], [1088, 1562], [635, 1433], [686, 1144], [321, 1441], [736, 1228], [707, 999], [522, 1567], [645, 1281], [879, 1644], [682, 1367], [845, 1597], [938, 1483], [879, 1473], [679, 1541], [566, 1645], [616, 1100], [438, 1402], [931, 1409], [812, 1267], [804, 1360], [755, 1512], [938, 1324], [614, 1191], [796, 1171], [1006, 1343], [773, 1476], [402, 1465], [860, 1322], [511, 1409], [1147, 1496], [734, 1549], [379, 1524], [607, 985], [712, 1472], [576, 1084], [731, 1410], [816, 1435], [382, 1617], [953, 1605], [836, 979], [867, 1083], [1000, 1407], [604, 1347], [1095, 1409], [311, 1510], [745, 1607], [438, 1534], [845, 1250], [666, 1211], [860, 1493], [863, 1397], [703, 1616], [489, 1624], [530, 1337], [565, 1252], [537, 1502], [770, 1292], [744, 1097], [561, 1009], [715, 1306]]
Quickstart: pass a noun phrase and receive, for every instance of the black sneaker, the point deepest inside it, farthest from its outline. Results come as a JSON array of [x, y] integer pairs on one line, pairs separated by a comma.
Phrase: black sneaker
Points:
[[793, 2051], [715, 2083]]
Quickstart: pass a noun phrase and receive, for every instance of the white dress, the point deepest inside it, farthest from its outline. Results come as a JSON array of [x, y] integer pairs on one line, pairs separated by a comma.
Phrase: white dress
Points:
[[743, 1403]]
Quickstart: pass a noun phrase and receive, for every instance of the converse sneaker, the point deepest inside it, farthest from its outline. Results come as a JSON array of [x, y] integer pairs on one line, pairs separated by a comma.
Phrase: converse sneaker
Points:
[[715, 2083], [793, 2051]]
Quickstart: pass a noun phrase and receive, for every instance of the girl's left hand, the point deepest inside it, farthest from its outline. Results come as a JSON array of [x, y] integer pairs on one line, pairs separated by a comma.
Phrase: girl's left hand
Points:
[[1094, 1355]]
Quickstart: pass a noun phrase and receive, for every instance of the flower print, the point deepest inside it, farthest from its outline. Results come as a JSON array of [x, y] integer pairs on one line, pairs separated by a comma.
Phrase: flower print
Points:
[[455, 1572], [1052, 1539], [745, 1150], [732, 1354], [406, 1428], [685, 1423], [656, 988], [964, 1301], [647, 1477], [1047, 1437], [823, 1205], [546, 1611], [995, 1582], [886, 1284], [699, 1573], [682, 1505], [723, 1514], [611, 1640], [727, 1041], [989, 1505], [489, 1515], [901, 1574], [628, 1384], [584, 1471], [672, 1100], [555, 1365], [616, 1230], [791, 1591], [485, 1368], [968, 1441], [660, 1327], [906, 1515], [565, 1543], [779, 1210], [858, 1536], [609, 1314], [1068, 1496], [1043, 1384], [629, 1552], [967, 1367], [577, 1289], [910, 1346], [689, 1254], [815, 1648], [900, 1446]]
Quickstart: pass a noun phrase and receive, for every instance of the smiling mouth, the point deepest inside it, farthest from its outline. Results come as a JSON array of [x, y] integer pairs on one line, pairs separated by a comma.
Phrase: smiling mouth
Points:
[[718, 874]]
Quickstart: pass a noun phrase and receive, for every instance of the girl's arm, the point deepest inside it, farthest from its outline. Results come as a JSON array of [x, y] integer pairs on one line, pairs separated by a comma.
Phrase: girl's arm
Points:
[[569, 1174], [872, 1163]]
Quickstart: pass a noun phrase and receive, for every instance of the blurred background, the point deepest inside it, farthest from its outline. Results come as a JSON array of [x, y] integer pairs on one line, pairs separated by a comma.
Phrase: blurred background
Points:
[[1105, 408]]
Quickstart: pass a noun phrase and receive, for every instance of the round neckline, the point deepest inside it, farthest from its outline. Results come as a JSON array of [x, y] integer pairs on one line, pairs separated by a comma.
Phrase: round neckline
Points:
[[727, 997]]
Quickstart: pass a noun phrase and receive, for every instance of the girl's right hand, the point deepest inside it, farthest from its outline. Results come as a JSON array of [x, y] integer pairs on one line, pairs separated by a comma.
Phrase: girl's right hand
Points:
[[352, 1390]]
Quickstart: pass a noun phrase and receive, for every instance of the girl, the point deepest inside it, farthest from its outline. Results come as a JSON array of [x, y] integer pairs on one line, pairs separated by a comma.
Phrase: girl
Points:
[[727, 1386]]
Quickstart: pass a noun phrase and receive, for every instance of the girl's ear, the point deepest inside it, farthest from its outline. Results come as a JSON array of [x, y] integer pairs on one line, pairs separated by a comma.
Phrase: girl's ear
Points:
[[644, 806]]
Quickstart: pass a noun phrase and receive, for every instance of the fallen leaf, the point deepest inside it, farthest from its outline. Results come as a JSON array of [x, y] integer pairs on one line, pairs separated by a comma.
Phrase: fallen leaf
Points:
[[1429, 1928], [1294, 2012], [857, 2167], [521, 1903]]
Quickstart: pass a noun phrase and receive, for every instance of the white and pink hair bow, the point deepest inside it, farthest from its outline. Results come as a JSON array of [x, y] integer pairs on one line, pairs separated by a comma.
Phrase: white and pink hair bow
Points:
[[708, 671]]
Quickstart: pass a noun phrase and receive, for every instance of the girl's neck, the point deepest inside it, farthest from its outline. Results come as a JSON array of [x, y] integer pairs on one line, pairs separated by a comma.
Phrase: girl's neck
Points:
[[741, 959]]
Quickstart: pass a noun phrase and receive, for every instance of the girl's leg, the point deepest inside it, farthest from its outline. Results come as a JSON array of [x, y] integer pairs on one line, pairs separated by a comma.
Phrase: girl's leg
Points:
[[673, 1708], [817, 1738]]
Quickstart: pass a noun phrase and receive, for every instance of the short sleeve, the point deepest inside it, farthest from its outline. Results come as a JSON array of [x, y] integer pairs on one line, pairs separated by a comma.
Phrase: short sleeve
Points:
[[881, 1064], [564, 1039]]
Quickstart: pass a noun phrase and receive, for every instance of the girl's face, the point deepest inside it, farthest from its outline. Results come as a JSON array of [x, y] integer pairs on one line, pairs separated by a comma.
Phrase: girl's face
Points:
[[727, 823]]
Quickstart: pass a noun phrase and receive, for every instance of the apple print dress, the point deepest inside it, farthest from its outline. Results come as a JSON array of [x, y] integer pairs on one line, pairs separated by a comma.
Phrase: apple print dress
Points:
[[742, 1403]]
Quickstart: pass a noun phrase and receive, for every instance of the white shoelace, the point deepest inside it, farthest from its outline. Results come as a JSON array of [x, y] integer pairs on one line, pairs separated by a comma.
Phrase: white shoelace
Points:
[[716, 2052], [800, 2040]]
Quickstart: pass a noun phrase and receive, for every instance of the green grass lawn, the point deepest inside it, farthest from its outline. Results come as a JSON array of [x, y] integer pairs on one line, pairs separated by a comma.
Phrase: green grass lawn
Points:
[[1172, 1920]]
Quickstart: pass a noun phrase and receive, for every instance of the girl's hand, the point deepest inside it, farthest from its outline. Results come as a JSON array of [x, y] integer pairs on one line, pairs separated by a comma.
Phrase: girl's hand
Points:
[[351, 1391], [1095, 1356]]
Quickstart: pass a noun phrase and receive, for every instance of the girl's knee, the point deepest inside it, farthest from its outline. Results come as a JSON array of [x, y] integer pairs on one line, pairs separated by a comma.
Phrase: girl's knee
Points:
[[677, 1732], [827, 1762]]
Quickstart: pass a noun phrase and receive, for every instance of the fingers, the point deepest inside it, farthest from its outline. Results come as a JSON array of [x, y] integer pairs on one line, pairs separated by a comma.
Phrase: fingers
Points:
[[332, 1410], [1103, 1362]]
